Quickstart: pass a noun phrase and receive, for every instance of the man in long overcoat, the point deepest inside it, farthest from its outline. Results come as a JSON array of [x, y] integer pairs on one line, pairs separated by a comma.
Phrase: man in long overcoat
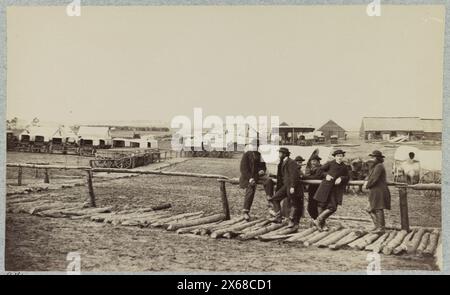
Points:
[[379, 195], [291, 189], [252, 168], [331, 189]]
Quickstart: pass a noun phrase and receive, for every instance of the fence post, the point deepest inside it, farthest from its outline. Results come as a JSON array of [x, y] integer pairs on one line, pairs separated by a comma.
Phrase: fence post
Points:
[[19, 177], [91, 189], [403, 200], [223, 195], [46, 177]]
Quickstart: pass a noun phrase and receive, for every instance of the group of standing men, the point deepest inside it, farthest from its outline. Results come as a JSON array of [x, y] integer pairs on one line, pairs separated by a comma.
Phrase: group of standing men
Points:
[[323, 198]]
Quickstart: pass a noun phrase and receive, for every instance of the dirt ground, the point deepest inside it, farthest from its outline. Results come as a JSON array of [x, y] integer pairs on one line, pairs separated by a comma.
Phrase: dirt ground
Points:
[[36, 243]]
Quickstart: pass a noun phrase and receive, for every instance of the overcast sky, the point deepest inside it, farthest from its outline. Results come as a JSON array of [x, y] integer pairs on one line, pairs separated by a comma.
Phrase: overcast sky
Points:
[[306, 64]]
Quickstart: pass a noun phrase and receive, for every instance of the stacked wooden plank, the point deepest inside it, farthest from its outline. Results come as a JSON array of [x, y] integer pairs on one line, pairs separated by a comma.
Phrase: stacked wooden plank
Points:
[[421, 242]]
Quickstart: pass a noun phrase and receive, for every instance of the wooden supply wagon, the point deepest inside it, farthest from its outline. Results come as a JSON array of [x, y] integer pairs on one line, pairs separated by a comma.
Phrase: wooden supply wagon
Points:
[[125, 158]]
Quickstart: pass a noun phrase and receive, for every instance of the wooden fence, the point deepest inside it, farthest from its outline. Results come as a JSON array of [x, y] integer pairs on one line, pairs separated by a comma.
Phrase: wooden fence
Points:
[[402, 187]]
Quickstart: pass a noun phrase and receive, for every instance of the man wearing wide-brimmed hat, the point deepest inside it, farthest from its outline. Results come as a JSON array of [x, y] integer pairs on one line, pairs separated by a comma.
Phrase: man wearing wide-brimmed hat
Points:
[[291, 188], [312, 172], [299, 160], [331, 189], [379, 196]]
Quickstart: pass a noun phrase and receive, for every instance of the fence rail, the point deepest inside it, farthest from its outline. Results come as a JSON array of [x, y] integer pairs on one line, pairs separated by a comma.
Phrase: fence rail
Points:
[[402, 187]]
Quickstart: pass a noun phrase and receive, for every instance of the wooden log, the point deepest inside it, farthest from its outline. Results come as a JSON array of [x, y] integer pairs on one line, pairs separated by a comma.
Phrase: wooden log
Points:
[[268, 238], [180, 220], [432, 244], [377, 242], [224, 198], [75, 211], [320, 237], [176, 217], [203, 229], [395, 242], [304, 238], [116, 218], [26, 207], [403, 246], [55, 213], [390, 237], [44, 166], [366, 240], [253, 234], [438, 255], [231, 234], [22, 200], [256, 226], [346, 240], [46, 176], [403, 200], [207, 219], [194, 228], [161, 206], [316, 240], [90, 189], [45, 207], [145, 209], [209, 229], [301, 234], [274, 232], [19, 176], [333, 238], [233, 228], [142, 220], [412, 246], [278, 234], [423, 244]]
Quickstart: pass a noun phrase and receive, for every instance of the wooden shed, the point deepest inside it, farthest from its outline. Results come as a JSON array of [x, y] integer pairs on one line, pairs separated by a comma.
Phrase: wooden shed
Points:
[[332, 129]]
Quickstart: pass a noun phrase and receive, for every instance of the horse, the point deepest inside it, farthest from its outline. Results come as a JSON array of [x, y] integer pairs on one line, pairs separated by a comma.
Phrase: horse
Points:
[[358, 170]]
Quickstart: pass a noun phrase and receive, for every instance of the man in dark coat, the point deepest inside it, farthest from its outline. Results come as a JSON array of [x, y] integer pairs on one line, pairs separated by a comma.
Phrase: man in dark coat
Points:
[[331, 189], [379, 196], [252, 168], [291, 189], [313, 172]]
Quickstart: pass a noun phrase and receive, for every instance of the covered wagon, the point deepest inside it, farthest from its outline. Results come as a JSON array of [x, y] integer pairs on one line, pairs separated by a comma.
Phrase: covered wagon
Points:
[[125, 158], [412, 165], [92, 138], [38, 138]]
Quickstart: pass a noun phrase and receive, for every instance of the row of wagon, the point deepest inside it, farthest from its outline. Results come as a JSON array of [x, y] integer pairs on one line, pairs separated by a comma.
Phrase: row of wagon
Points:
[[86, 141]]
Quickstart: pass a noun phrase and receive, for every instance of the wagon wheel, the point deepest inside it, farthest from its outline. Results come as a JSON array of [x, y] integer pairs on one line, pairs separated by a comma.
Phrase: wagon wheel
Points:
[[431, 177], [226, 154], [124, 163], [103, 163], [214, 154]]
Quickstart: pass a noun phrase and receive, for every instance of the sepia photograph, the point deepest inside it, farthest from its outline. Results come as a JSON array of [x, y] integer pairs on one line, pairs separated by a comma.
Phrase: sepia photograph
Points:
[[223, 138]]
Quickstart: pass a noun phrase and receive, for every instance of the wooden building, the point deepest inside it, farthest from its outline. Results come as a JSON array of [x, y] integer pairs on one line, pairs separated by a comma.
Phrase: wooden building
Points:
[[415, 128], [332, 129]]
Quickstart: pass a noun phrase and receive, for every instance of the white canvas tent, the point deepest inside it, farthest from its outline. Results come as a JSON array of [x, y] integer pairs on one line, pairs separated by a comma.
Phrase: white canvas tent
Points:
[[96, 134], [145, 142], [68, 135], [45, 134], [424, 160]]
